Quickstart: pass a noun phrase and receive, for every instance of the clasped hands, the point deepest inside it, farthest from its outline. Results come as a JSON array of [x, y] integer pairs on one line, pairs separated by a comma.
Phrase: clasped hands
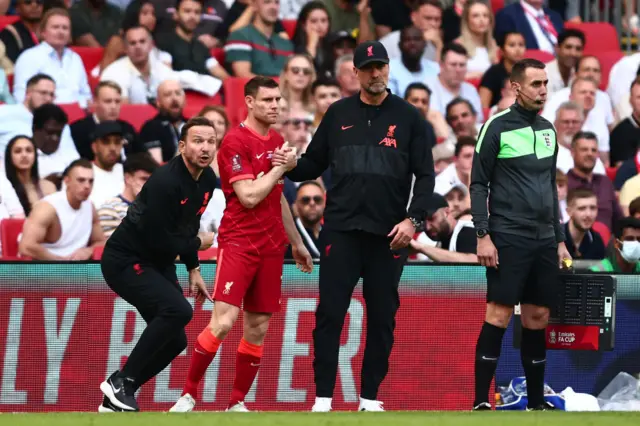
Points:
[[286, 156]]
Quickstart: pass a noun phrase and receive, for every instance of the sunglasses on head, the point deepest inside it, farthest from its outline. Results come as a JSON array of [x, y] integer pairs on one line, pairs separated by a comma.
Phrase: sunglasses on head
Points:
[[298, 70], [317, 199]]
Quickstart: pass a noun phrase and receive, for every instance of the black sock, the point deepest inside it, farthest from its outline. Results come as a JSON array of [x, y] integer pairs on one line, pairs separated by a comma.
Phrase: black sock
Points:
[[161, 359], [533, 353], [487, 354]]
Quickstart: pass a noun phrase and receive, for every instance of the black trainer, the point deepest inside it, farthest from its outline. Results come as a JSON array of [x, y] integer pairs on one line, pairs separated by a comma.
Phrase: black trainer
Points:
[[546, 406], [483, 406], [108, 407], [119, 391]]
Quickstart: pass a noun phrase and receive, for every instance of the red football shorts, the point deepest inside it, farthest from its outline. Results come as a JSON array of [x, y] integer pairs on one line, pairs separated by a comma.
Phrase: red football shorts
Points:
[[247, 277]]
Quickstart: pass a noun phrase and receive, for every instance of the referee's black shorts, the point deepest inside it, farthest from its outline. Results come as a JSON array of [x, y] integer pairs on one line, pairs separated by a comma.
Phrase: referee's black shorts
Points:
[[527, 273]]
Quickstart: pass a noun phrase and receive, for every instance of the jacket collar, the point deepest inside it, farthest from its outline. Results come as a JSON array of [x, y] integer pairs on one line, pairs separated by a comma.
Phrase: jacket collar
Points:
[[527, 114]]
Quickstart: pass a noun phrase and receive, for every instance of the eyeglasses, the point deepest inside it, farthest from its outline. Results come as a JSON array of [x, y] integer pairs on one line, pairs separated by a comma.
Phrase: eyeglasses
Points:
[[29, 2], [298, 70], [298, 121], [317, 199]]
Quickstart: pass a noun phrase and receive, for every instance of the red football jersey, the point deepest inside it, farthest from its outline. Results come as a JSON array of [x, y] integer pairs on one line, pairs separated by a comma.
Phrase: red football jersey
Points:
[[245, 154]]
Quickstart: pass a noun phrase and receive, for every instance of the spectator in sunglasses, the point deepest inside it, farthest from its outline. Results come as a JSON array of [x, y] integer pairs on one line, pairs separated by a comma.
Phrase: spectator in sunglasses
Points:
[[296, 79], [308, 210], [21, 35], [296, 130]]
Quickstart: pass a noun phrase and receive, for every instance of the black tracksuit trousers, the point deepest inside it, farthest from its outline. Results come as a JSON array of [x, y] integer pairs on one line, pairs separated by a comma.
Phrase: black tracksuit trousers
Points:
[[348, 256]]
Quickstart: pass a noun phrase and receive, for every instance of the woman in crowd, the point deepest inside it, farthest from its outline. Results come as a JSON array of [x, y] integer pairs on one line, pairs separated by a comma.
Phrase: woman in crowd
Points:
[[21, 167], [491, 90], [476, 35], [296, 79], [139, 12], [218, 117], [311, 33]]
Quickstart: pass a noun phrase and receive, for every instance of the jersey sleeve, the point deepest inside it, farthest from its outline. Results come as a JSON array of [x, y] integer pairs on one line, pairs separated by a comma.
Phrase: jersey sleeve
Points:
[[234, 160], [484, 161]]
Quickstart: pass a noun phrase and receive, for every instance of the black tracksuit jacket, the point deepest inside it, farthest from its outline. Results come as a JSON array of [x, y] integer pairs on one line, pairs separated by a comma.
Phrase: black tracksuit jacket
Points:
[[373, 152]]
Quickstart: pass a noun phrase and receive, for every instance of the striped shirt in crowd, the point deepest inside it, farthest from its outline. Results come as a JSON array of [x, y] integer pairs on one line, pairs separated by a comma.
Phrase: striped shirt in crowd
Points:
[[111, 214]]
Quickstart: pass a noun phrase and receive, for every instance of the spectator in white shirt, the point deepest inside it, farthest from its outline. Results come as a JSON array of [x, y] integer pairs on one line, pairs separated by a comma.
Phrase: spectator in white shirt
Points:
[[17, 119], [139, 73], [561, 70], [411, 67], [457, 173], [622, 74], [418, 95], [476, 35], [108, 175], [587, 67], [10, 207], [450, 83], [349, 84], [568, 121], [55, 59]]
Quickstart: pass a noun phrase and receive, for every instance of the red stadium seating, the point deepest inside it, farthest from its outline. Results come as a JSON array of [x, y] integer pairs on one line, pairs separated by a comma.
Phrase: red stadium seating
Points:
[[475, 82], [540, 55], [196, 101], [10, 229], [234, 96], [290, 27], [603, 230], [6, 20], [10, 82], [611, 173], [91, 56], [607, 61], [208, 254], [137, 114], [218, 53], [601, 36], [496, 5], [74, 112], [97, 253]]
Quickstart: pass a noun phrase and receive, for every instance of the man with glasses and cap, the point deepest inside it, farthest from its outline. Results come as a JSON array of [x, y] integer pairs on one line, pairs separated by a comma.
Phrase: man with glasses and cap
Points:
[[373, 143], [308, 210]]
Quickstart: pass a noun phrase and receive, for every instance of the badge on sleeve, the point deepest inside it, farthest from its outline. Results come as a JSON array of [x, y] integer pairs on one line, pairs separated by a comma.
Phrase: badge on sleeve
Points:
[[236, 164]]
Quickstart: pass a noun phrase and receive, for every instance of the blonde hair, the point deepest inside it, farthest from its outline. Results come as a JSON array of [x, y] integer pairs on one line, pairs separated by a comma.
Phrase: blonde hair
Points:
[[466, 39], [284, 83]]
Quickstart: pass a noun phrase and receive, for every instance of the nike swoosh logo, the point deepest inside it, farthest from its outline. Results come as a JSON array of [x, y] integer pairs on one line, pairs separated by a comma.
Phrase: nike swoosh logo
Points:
[[255, 365], [259, 156], [538, 361], [489, 359], [114, 388], [347, 127], [184, 201], [396, 256], [200, 352]]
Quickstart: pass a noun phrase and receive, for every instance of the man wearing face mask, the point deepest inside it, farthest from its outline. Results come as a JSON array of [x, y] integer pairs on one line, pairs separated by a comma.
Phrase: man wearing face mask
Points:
[[520, 237], [625, 256]]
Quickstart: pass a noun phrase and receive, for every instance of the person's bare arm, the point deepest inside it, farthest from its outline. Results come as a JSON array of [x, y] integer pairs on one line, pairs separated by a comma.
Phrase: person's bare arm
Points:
[[382, 30], [97, 238], [365, 32], [4, 6], [485, 97], [242, 69], [35, 230], [47, 187], [251, 192], [243, 20], [219, 72], [87, 40], [289, 225], [156, 154], [443, 256], [112, 51]]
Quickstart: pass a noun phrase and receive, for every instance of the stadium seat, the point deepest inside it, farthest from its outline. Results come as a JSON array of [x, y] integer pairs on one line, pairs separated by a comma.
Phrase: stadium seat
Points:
[[74, 112], [97, 253], [607, 61], [290, 27], [611, 173], [196, 101], [496, 5], [91, 56], [601, 36], [7, 20], [137, 114], [475, 82], [218, 53], [603, 230], [10, 230], [234, 96], [10, 82], [540, 55]]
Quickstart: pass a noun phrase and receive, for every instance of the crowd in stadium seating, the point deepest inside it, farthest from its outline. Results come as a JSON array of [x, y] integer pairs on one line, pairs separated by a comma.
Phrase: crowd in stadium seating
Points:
[[113, 81]]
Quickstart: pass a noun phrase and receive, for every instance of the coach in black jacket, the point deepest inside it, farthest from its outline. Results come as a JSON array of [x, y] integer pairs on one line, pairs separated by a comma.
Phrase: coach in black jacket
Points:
[[374, 143]]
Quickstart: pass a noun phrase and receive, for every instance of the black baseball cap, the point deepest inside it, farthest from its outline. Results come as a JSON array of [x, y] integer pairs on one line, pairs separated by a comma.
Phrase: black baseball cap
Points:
[[436, 203], [107, 128], [341, 35], [368, 52]]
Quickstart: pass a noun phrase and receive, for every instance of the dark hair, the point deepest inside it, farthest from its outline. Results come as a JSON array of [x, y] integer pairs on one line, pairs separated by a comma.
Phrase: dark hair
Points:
[[132, 14], [520, 67], [253, 85], [453, 47], [324, 81], [624, 223], [193, 122], [502, 38], [220, 110], [580, 193], [571, 33], [48, 112], [12, 172], [300, 36], [139, 161], [634, 206], [635, 82], [583, 135], [38, 78], [416, 86], [583, 57], [464, 141], [457, 101], [309, 182], [417, 4], [80, 162]]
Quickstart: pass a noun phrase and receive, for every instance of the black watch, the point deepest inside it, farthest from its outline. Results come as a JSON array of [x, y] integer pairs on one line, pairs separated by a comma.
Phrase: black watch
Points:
[[481, 233]]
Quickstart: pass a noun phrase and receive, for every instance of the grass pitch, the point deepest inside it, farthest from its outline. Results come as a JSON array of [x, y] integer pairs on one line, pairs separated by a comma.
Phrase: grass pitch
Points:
[[330, 419]]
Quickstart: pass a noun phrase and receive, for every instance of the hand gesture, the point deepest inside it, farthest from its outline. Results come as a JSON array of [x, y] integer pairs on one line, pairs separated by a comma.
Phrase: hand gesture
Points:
[[402, 234], [206, 240], [303, 259], [487, 252], [197, 286], [433, 35], [363, 7], [564, 256], [285, 156], [84, 253]]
